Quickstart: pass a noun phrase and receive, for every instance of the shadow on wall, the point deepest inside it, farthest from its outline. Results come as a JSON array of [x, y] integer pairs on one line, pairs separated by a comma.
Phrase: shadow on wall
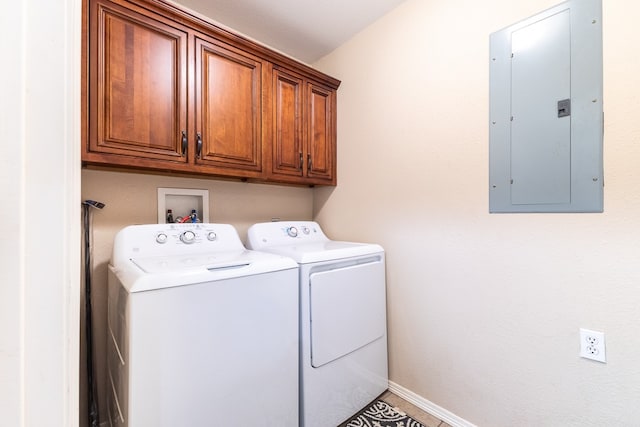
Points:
[[321, 196]]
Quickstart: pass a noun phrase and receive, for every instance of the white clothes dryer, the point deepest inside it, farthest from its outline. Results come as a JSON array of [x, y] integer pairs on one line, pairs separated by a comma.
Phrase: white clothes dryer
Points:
[[343, 338], [201, 331]]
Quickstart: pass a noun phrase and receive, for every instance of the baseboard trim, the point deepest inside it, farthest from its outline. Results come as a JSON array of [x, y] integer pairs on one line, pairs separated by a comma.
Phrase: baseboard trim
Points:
[[437, 411]]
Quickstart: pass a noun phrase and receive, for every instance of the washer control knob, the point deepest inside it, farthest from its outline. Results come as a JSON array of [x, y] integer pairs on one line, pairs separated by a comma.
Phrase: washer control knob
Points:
[[212, 236], [188, 237], [305, 230], [161, 238], [292, 231]]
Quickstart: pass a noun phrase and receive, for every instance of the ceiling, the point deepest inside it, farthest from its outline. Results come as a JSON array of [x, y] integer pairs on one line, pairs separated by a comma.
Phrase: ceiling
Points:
[[304, 29]]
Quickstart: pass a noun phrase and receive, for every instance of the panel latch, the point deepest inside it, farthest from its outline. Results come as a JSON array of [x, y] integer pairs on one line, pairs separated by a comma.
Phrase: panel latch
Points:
[[564, 107]]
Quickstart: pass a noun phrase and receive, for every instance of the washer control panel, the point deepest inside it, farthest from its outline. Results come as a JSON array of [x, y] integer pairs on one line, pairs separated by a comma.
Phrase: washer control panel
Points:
[[175, 239]]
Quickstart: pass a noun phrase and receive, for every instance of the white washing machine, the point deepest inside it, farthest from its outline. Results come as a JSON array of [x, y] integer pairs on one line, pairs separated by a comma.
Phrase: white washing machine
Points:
[[202, 332], [343, 338]]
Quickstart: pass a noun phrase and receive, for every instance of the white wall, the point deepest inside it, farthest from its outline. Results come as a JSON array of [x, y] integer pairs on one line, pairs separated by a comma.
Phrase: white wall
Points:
[[39, 219], [484, 310]]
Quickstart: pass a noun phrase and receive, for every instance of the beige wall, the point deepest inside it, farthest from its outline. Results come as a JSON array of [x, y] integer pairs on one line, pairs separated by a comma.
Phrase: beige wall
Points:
[[484, 310], [132, 199]]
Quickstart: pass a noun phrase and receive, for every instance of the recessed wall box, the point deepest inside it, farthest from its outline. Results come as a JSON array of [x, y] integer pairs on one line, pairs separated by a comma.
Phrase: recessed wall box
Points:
[[181, 201], [546, 119]]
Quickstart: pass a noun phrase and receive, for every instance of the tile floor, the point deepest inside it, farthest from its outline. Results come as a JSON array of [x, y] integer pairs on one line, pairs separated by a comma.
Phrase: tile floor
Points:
[[414, 412]]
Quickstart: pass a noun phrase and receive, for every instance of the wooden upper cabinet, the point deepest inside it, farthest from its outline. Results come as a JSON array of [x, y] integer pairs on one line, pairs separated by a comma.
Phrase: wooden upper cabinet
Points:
[[228, 110], [303, 130], [138, 76], [166, 90]]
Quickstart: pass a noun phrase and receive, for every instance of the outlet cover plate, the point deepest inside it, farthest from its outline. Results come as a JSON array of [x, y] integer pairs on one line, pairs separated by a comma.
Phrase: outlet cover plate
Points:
[[592, 345]]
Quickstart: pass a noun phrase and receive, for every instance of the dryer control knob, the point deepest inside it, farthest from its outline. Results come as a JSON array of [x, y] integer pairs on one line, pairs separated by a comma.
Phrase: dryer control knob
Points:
[[211, 236], [188, 237], [292, 231], [305, 230], [161, 238]]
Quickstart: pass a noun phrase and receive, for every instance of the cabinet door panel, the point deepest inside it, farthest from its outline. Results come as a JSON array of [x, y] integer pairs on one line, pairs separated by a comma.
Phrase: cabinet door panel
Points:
[[321, 133], [228, 109], [287, 124], [140, 76]]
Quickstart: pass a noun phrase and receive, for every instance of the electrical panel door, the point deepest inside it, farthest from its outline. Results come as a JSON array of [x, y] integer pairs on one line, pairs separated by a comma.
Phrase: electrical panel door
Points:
[[546, 117]]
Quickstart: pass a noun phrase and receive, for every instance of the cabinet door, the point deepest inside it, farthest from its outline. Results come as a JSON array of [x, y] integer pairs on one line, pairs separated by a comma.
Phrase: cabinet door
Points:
[[321, 135], [138, 72], [287, 136], [228, 111]]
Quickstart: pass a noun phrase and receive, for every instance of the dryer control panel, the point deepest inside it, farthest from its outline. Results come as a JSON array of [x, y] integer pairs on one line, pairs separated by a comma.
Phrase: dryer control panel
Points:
[[285, 233]]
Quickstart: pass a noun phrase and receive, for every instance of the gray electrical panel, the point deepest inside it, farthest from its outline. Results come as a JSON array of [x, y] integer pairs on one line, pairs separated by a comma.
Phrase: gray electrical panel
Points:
[[546, 119]]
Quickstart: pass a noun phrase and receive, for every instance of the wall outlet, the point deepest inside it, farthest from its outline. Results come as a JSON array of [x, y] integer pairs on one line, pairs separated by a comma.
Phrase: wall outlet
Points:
[[592, 345]]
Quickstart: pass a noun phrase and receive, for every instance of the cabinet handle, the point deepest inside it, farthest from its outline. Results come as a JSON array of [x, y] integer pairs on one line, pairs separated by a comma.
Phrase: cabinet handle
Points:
[[309, 163], [198, 145], [184, 143], [300, 164]]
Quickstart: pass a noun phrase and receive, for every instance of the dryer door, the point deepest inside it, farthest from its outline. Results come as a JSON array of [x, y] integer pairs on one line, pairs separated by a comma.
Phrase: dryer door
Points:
[[347, 309]]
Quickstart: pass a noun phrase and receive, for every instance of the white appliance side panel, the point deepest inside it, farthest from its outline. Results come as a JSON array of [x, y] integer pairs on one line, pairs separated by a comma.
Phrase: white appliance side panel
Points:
[[117, 350], [347, 310], [215, 353]]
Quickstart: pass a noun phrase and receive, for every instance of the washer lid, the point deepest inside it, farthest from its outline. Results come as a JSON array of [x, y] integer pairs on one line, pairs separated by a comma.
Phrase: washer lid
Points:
[[211, 261], [159, 272]]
